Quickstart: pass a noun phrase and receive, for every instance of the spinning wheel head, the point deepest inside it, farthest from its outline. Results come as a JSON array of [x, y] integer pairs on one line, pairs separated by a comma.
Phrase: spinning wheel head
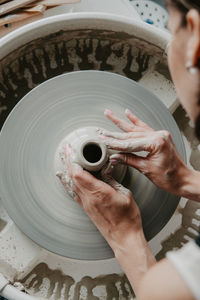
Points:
[[31, 137]]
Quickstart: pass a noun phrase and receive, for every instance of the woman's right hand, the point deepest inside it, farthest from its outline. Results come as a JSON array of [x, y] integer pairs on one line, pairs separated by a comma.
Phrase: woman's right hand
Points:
[[163, 165]]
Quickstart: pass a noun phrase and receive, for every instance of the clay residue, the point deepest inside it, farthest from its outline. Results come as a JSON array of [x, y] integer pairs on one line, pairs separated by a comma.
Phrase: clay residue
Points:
[[110, 283], [35, 282], [33, 63], [62, 286], [188, 230]]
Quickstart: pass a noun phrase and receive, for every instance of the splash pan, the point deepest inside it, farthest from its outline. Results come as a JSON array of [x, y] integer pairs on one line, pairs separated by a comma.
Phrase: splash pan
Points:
[[32, 194]]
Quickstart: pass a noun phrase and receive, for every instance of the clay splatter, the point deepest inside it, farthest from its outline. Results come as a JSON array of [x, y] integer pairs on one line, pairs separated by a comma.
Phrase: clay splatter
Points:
[[45, 282]]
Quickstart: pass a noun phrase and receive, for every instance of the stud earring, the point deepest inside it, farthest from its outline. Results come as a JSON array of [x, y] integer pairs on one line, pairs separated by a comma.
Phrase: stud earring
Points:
[[192, 70]]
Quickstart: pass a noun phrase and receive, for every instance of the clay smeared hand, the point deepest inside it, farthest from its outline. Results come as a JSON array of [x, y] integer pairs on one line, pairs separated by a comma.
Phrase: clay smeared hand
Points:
[[110, 205], [113, 210], [162, 165]]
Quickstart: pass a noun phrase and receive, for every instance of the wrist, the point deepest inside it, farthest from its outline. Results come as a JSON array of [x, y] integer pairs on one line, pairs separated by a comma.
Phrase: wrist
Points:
[[180, 181], [132, 241], [135, 257], [190, 187], [122, 239]]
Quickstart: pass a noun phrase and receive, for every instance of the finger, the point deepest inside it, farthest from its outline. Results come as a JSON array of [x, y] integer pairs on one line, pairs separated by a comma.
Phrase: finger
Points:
[[78, 199], [77, 195], [122, 124], [69, 186], [136, 121], [71, 166], [135, 145], [121, 135], [106, 170], [116, 135], [133, 160], [86, 182], [64, 178], [114, 184], [66, 182]]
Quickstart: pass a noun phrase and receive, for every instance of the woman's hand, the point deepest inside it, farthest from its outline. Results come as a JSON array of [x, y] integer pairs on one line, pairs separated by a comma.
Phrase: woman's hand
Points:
[[110, 205], [162, 165], [115, 213]]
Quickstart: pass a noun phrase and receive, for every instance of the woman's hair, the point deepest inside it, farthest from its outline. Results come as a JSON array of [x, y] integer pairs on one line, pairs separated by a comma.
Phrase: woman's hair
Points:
[[184, 6]]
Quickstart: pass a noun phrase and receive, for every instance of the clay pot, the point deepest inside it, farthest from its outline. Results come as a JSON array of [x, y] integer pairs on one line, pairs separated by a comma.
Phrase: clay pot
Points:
[[88, 149]]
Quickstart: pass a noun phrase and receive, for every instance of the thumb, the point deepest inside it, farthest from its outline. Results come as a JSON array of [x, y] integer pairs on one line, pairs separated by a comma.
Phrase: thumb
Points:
[[132, 160], [86, 181], [107, 178]]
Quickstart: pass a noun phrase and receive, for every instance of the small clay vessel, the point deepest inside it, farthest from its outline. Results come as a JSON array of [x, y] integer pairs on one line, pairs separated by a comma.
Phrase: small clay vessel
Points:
[[88, 149], [91, 154]]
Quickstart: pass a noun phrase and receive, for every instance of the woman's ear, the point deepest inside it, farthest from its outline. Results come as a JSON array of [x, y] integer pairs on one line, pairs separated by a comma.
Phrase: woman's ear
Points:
[[193, 47]]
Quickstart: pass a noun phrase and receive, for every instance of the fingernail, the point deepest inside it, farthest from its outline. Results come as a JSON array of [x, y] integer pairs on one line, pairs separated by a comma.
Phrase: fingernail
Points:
[[117, 158], [102, 137], [114, 161], [107, 112]]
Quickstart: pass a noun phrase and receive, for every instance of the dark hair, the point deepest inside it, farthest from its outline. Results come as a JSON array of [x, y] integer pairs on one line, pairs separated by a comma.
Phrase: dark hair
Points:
[[184, 6]]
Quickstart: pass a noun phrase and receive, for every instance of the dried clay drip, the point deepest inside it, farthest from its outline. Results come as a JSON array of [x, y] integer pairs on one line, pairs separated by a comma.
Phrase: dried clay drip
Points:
[[61, 286], [188, 231]]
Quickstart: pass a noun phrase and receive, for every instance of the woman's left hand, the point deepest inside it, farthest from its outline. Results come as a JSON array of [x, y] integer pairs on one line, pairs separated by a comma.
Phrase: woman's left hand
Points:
[[115, 213], [109, 204]]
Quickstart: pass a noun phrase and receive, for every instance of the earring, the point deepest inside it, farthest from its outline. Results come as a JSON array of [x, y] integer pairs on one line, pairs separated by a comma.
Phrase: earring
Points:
[[192, 70]]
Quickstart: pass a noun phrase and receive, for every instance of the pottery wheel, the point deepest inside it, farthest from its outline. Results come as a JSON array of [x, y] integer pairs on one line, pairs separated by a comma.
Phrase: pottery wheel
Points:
[[30, 190]]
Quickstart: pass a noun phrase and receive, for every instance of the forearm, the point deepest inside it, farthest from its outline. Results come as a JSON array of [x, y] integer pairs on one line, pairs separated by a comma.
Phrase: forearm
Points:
[[135, 258]]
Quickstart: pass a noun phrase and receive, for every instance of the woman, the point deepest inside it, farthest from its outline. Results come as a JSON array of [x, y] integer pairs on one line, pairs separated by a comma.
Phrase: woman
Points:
[[112, 207]]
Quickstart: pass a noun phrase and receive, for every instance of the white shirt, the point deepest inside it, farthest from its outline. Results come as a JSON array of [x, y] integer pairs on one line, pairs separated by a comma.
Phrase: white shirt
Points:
[[187, 262]]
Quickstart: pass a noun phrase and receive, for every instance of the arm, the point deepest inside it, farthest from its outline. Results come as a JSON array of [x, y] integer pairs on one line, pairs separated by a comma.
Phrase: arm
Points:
[[117, 216], [135, 258], [163, 282], [115, 213], [163, 164]]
